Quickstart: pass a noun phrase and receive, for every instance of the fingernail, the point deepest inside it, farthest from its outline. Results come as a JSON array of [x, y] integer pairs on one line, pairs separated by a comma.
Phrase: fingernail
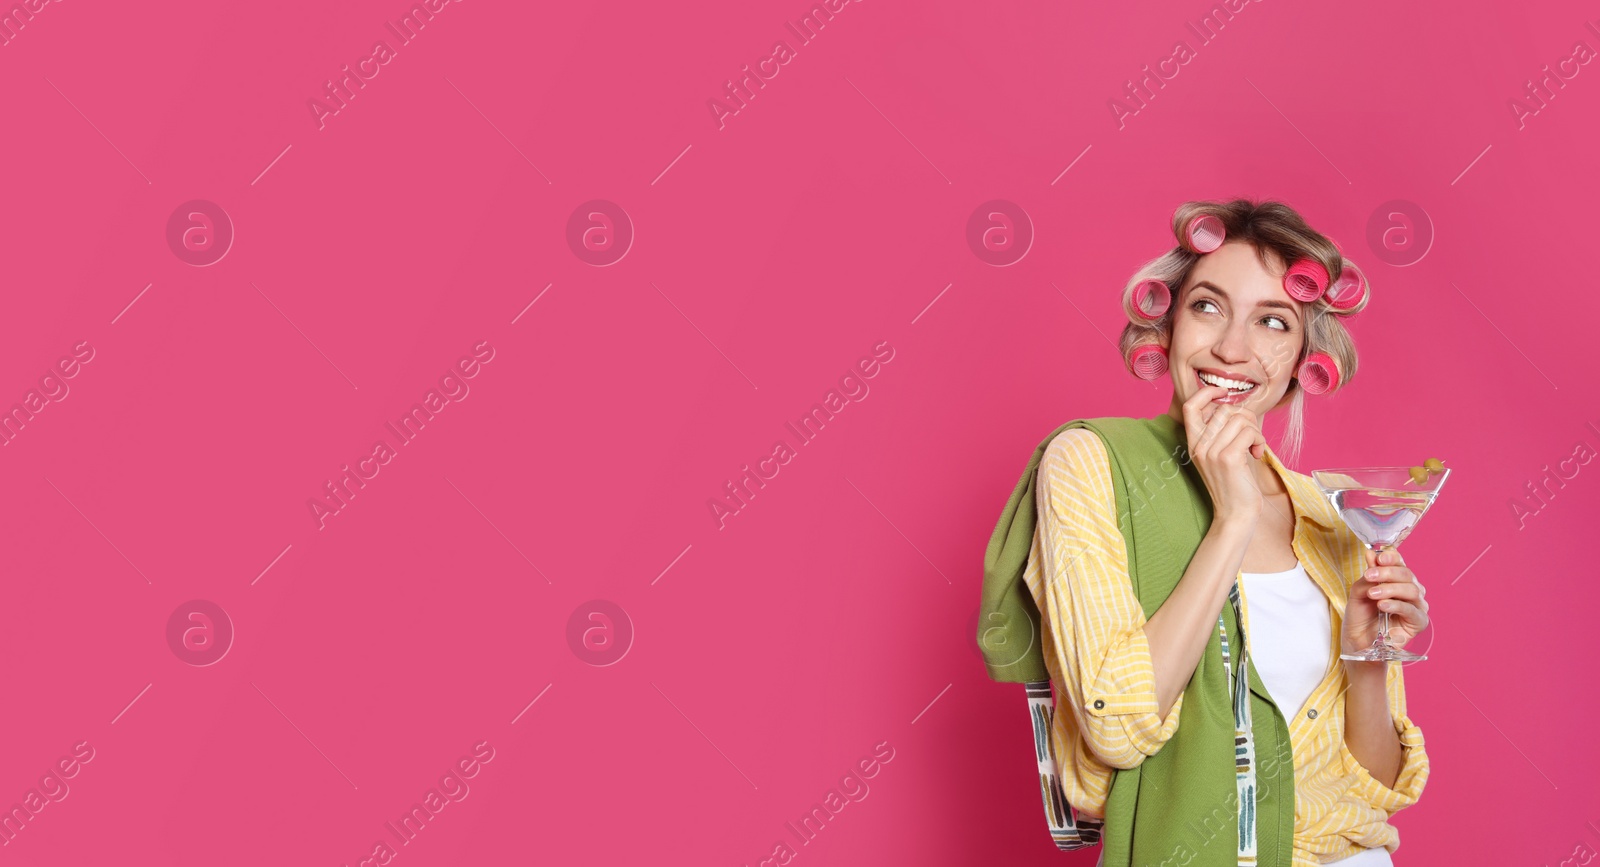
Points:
[[1375, 592]]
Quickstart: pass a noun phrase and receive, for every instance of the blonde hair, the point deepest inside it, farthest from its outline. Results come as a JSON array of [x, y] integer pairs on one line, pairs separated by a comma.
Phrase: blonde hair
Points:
[[1268, 226]]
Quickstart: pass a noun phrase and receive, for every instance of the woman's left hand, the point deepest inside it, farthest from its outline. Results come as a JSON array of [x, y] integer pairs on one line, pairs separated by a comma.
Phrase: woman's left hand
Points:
[[1387, 585]]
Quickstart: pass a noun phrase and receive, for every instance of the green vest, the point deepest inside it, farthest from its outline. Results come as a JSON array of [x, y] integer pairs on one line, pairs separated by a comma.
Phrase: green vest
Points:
[[1179, 806]]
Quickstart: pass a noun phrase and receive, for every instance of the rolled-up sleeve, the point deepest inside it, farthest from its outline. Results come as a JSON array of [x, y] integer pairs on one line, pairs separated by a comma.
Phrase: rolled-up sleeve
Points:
[[1097, 649], [1414, 757]]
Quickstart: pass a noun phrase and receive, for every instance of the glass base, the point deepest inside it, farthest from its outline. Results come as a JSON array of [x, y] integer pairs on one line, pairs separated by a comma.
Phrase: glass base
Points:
[[1380, 651]]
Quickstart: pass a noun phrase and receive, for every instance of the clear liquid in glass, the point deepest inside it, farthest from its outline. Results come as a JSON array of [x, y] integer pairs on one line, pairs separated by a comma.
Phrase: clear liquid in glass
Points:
[[1381, 518]]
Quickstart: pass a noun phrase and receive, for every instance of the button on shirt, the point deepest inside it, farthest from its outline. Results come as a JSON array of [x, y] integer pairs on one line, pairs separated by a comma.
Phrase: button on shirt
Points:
[[1098, 657]]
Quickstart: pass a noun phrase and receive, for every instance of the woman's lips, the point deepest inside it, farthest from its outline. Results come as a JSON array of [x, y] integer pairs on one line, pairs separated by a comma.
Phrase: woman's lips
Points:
[[1231, 397]]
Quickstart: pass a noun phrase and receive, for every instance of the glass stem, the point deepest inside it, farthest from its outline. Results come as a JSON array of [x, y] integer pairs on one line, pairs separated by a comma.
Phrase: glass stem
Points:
[[1383, 616]]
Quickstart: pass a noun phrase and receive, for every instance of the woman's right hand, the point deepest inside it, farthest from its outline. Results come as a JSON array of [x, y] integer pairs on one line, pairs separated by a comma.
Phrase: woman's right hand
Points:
[[1224, 441]]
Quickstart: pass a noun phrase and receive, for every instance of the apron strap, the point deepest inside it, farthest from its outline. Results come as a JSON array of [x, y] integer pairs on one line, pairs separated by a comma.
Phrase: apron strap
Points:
[[1067, 829], [1244, 749]]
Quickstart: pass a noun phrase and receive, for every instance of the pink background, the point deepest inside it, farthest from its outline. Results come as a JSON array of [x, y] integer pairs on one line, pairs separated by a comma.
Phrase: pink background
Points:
[[833, 613]]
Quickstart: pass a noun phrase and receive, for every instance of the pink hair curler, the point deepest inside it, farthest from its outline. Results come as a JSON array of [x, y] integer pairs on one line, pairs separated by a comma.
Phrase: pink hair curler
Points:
[[1151, 298], [1349, 290], [1305, 280], [1205, 234], [1148, 361], [1318, 373]]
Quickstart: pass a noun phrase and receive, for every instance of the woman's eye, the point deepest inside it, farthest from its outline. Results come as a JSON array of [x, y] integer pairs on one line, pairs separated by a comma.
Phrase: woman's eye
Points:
[[1282, 324]]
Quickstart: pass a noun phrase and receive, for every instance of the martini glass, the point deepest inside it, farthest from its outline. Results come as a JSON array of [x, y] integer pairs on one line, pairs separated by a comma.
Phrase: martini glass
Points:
[[1381, 505]]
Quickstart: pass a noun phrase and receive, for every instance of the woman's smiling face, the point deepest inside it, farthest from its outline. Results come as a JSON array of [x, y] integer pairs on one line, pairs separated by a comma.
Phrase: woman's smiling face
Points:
[[1234, 321]]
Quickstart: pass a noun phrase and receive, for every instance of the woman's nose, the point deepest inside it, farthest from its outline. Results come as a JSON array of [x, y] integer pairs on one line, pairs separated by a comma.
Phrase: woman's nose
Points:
[[1233, 345]]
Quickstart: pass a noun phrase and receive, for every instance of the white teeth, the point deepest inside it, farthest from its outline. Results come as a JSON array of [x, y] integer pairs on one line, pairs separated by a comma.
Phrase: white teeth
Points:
[[1233, 385]]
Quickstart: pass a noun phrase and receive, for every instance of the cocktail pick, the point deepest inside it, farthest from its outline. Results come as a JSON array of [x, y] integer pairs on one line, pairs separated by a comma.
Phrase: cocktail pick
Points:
[[1318, 373], [1305, 280], [1349, 290], [1151, 298], [1148, 361], [1205, 234]]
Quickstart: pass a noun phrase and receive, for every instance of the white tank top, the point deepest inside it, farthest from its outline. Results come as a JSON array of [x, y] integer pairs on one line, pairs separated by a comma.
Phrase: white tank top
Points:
[[1291, 633]]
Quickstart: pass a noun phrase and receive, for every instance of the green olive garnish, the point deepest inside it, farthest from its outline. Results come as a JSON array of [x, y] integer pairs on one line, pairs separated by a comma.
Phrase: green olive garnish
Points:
[[1421, 474]]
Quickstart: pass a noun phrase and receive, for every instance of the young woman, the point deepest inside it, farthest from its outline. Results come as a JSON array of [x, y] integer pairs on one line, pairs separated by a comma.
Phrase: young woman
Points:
[[1185, 736]]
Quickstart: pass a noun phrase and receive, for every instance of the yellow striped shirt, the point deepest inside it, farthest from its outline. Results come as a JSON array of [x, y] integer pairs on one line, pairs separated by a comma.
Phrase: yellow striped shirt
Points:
[[1095, 649]]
